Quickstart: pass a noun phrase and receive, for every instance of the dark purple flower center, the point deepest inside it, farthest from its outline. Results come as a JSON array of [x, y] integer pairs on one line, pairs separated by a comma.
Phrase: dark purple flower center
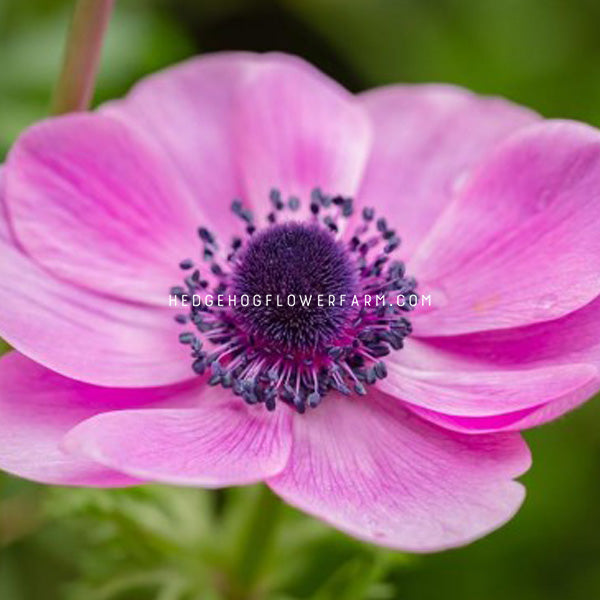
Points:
[[293, 265], [297, 309]]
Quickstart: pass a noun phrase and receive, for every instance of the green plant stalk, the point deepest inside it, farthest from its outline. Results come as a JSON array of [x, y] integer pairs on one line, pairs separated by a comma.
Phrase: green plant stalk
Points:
[[255, 544], [75, 86]]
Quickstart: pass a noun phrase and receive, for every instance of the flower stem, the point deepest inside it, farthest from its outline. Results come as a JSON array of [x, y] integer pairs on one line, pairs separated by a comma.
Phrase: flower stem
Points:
[[75, 85], [256, 543]]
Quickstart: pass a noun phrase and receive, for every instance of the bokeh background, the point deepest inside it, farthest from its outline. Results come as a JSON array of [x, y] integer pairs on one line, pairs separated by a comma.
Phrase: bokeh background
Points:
[[169, 543]]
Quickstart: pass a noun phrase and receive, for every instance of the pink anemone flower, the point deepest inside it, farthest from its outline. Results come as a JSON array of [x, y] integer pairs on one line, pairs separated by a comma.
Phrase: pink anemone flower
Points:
[[256, 174]]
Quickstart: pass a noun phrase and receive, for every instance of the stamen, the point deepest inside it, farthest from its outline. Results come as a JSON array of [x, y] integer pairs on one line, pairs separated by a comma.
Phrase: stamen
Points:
[[297, 354]]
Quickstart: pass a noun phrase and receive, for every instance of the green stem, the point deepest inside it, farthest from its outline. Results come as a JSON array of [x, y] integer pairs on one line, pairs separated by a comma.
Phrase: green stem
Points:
[[256, 543], [75, 85]]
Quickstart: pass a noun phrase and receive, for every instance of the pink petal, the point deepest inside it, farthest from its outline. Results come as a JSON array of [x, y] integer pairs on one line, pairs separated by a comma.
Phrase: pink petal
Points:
[[85, 335], [221, 442], [93, 204], [237, 124], [512, 421], [574, 338], [297, 129], [187, 112], [427, 140], [520, 245], [476, 393], [4, 229], [565, 343], [38, 407], [372, 469]]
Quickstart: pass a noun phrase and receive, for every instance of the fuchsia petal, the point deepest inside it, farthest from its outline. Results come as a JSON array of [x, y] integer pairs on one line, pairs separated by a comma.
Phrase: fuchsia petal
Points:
[[520, 245], [484, 393], [187, 112], [84, 335], [574, 338], [565, 343], [38, 407], [237, 124], [427, 140], [221, 442], [297, 129], [5, 233], [90, 202], [511, 421], [370, 468]]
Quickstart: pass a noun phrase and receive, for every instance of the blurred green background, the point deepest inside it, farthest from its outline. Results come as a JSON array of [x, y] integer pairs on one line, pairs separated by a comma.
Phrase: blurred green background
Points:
[[169, 543]]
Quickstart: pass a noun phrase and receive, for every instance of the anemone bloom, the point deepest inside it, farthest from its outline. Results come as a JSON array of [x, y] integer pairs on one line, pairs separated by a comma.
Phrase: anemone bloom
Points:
[[256, 173]]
